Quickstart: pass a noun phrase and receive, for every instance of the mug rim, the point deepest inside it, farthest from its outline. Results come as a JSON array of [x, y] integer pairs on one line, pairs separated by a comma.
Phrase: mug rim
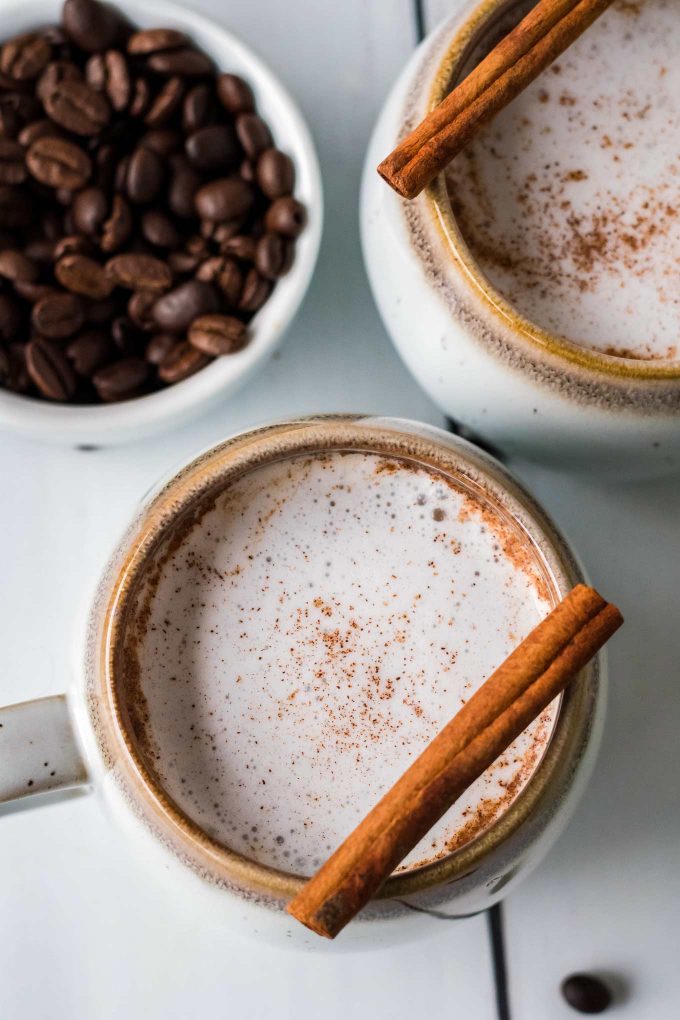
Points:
[[465, 34], [395, 437]]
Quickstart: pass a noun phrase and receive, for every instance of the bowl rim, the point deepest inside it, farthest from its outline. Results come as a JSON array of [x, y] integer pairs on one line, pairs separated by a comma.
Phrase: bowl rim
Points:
[[85, 424]]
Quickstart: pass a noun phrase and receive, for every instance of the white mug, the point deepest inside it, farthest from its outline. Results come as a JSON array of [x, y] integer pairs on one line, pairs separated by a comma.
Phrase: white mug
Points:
[[86, 738], [520, 388]]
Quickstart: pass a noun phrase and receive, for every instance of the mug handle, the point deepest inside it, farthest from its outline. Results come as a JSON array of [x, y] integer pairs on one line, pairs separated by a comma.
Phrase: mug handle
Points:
[[38, 751]]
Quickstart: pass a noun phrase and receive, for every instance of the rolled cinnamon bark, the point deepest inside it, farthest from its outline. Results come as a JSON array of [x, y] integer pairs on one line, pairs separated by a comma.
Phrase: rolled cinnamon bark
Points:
[[514, 695]]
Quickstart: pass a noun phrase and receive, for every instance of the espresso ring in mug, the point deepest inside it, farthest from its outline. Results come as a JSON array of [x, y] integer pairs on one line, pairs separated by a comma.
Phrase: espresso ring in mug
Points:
[[524, 388], [460, 882]]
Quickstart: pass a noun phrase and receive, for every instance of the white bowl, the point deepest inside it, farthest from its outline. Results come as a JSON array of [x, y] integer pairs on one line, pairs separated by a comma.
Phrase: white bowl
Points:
[[131, 419]]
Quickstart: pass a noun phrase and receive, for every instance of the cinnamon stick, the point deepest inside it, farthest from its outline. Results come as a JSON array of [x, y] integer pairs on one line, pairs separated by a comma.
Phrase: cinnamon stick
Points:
[[515, 694], [546, 32]]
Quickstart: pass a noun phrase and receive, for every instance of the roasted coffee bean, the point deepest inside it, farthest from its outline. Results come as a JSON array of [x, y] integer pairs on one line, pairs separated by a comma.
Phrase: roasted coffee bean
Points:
[[89, 351], [58, 315], [177, 309], [95, 72], [126, 336], [208, 271], [165, 103], [230, 282], [145, 173], [197, 245], [242, 247], [91, 25], [196, 108], [162, 141], [72, 244], [182, 263], [213, 148], [273, 256], [108, 73], [235, 94], [50, 369], [184, 186], [118, 227], [285, 216], [120, 176], [59, 163], [225, 273], [38, 129], [217, 334], [140, 309], [25, 56], [78, 108], [12, 163], [139, 272], [33, 292], [14, 265], [158, 347], [224, 199], [89, 210], [180, 362], [82, 275], [253, 134], [153, 40], [141, 97], [159, 230], [586, 994], [10, 318], [186, 62], [121, 379], [224, 231], [256, 290], [54, 74], [275, 173]]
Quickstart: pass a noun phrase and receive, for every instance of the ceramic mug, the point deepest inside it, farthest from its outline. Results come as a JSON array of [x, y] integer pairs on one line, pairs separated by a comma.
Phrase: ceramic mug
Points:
[[87, 737], [519, 387]]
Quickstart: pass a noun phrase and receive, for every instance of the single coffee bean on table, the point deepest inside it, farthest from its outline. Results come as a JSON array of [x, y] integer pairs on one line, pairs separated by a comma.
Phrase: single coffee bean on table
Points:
[[586, 993], [147, 210]]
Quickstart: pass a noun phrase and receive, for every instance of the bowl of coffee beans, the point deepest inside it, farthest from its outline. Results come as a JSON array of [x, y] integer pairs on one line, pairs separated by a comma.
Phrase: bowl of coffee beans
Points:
[[160, 217]]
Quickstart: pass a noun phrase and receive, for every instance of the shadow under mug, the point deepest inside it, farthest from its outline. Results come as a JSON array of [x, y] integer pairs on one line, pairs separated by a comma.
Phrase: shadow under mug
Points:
[[87, 739]]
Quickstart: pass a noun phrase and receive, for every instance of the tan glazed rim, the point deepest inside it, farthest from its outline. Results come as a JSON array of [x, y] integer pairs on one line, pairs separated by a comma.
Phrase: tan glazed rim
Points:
[[431, 447], [464, 38]]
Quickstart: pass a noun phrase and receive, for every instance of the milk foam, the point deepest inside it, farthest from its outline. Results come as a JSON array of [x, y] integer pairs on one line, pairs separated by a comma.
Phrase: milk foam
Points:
[[308, 637], [570, 198]]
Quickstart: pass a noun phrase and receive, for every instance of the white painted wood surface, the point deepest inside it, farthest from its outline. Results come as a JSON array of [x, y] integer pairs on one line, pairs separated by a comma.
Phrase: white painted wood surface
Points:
[[85, 931]]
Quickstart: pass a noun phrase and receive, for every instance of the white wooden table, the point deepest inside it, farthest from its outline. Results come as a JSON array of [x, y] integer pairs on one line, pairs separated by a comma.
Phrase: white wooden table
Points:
[[85, 932]]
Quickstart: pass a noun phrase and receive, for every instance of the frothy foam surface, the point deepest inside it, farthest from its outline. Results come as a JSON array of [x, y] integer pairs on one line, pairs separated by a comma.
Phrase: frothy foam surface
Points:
[[293, 652], [570, 199]]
